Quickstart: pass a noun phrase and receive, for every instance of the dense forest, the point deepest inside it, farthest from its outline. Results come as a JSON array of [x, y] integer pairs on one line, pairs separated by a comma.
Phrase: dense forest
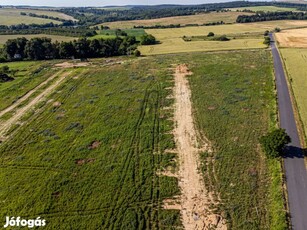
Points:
[[44, 49], [270, 16]]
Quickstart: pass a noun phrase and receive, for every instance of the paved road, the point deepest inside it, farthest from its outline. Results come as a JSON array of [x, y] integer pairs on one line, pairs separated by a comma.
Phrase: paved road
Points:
[[295, 170]]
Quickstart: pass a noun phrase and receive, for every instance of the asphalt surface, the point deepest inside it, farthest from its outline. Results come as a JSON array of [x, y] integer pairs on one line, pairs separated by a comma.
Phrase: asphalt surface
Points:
[[295, 170]]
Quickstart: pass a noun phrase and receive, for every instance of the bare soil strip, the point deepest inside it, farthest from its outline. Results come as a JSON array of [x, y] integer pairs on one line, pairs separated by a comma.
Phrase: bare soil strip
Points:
[[5, 125], [195, 200], [27, 95]]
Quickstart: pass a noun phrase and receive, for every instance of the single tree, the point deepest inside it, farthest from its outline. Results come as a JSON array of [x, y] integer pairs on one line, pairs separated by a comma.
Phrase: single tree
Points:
[[148, 39], [274, 142], [267, 41], [137, 53], [210, 34]]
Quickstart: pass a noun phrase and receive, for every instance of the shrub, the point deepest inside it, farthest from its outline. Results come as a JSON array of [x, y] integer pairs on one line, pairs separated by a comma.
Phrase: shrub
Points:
[[274, 142], [148, 39], [137, 53], [267, 41], [210, 34]]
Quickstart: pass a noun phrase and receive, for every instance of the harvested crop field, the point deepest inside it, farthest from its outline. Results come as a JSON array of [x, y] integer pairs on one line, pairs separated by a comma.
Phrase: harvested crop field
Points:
[[11, 16], [264, 8], [295, 38], [178, 45], [226, 17], [171, 40]]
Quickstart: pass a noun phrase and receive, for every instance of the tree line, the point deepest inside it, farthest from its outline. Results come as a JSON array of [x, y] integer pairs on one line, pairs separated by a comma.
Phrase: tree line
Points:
[[44, 48], [178, 25], [50, 28], [43, 16], [270, 16]]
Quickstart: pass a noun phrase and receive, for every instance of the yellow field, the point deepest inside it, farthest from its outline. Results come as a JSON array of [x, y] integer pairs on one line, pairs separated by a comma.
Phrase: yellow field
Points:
[[177, 45], [227, 17], [264, 8], [11, 16], [292, 38], [172, 42], [4, 38], [296, 64]]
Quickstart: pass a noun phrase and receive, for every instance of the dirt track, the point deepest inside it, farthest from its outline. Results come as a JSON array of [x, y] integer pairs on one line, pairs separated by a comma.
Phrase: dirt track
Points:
[[195, 200], [5, 126], [27, 95]]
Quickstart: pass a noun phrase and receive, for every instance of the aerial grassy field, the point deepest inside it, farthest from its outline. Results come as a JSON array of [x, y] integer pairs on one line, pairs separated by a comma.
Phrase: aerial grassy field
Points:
[[171, 39], [11, 16], [4, 38], [234, 105], [227, 17], [27, 76], [296, 65], [264, 8], [292, 38], [91, 160]]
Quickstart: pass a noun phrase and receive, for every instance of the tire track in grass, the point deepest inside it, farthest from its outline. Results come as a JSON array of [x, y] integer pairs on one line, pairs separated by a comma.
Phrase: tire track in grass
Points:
[[153, 101], [5, 125], [27, 95], [120, 206], [112, 216]]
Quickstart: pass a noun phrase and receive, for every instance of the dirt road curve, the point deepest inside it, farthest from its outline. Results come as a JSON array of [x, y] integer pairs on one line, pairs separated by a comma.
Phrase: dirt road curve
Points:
[[295, 170], [195, 200], [5, 125]]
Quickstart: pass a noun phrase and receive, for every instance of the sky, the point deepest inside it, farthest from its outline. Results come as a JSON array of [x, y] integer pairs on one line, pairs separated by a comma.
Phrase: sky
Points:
[[101, 2]]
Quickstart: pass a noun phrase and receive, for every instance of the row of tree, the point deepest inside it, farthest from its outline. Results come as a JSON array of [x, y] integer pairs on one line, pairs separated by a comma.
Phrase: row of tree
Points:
[[270, 16], [43, 48], [44, 16], [50, 28]]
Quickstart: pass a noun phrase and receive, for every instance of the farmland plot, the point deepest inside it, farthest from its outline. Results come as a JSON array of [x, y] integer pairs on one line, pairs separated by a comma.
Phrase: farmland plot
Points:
[[90, 158], [250, 36], [234, 105], [97, 154]]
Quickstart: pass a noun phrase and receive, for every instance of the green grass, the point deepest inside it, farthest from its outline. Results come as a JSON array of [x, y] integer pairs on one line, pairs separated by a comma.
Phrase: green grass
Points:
[[116, 186], [234, 105], [264, 8], [28, 76], [4, 38]]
